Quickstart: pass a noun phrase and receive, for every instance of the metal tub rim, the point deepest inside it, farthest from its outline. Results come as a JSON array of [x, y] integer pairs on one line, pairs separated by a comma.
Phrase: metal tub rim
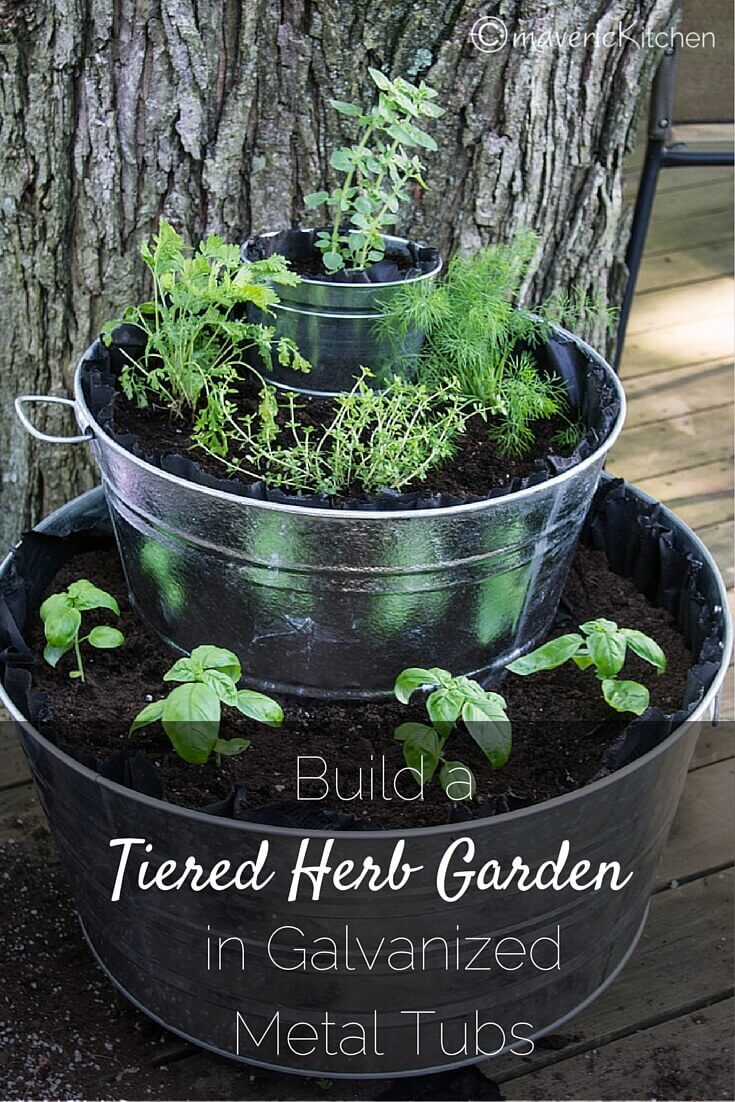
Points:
[[366, 289], [87, 420], [699, 714]]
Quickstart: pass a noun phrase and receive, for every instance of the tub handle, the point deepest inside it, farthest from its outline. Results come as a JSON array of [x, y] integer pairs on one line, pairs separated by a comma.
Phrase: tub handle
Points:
[[27, 399]]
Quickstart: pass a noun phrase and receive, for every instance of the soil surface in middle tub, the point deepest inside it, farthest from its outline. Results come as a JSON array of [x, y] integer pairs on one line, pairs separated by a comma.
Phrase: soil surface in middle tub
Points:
[[476, 469], [561, 725]]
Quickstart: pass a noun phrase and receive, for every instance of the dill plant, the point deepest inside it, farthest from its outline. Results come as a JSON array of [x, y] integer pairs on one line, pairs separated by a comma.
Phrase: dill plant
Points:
[[196, 331], [477, 334]]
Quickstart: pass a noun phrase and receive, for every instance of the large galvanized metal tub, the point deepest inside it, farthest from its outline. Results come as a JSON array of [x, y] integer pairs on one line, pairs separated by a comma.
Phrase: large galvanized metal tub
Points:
[[333, 603], [153, 944]]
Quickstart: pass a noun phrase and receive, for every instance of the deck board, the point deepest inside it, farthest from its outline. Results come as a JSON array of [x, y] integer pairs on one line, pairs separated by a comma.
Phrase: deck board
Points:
[[663, 447], [686, 925], [687, 1057]]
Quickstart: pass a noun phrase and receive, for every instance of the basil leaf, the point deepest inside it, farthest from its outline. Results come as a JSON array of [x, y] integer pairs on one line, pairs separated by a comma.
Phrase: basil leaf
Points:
[[590, 627], [405, 730], [607, 651], [85, 595], [191, 717], [645, 647], [626, 696], [490, 728], [548, 656], [444, 706], [228, 748], [150, 714], [260, 707], [223, 685], [62, 625], [458, 781], [217, 658], [52, 654], [410, 680], [53, 603], [182, 670], [105, 638], [421, 753]]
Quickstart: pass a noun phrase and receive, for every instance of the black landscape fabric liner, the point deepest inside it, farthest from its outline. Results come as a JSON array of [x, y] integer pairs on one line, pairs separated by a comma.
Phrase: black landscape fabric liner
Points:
[[634, 534], [589, 390], [402, 260]]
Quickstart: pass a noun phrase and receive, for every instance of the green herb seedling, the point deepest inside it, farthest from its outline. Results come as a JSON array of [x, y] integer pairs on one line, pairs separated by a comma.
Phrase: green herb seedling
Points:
[[190, 714], [602, 645], [453, 698], [62, 619], [198, 329], [377, 170]]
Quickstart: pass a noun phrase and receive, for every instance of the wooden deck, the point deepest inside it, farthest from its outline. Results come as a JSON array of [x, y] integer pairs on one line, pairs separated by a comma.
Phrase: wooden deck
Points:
[[664, 1028]]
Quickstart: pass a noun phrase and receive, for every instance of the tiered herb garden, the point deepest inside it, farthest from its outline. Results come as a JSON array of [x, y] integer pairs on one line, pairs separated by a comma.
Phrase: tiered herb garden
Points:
[[355, 503]]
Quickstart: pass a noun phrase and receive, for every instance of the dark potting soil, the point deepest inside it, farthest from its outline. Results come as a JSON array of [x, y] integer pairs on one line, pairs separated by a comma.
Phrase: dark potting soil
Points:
[[561, 725], [476, 469], [306, 260], [310, 265]]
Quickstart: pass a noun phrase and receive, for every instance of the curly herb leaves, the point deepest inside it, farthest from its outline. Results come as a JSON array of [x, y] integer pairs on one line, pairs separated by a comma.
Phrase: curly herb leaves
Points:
[[196, 338]]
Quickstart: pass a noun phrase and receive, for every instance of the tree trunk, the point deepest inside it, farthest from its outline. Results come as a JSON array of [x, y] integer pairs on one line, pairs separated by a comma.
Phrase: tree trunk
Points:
[[216, 113]]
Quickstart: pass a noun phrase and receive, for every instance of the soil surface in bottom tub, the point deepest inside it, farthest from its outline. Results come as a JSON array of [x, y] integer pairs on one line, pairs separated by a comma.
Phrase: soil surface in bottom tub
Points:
[[561, 725], [476, 469]]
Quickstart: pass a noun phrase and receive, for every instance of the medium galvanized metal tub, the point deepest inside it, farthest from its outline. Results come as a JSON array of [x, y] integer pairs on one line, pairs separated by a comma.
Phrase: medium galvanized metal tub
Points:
[[153, 944], [334, 325], [334, 603]]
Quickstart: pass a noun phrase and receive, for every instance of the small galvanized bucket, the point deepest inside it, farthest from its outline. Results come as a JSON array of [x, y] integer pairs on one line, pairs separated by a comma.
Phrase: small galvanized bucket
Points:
[[153, 944], [334, 603], [334, 327]]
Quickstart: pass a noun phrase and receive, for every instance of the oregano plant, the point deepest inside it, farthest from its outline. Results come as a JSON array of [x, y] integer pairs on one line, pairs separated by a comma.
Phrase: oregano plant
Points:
[[61, 614], [377, 169], [452, 699], [602, 645], [191, 713]]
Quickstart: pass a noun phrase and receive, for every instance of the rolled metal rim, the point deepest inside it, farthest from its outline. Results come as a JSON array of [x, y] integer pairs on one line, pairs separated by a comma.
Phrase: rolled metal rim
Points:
[[618, 777], [87, 421], [366, 287]]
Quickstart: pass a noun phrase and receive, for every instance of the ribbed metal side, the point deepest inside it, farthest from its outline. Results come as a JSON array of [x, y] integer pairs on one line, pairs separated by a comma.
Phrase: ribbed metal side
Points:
[[334, 327]]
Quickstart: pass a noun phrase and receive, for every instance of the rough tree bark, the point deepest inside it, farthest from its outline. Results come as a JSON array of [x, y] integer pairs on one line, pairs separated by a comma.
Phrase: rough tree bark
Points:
[[215, 112]]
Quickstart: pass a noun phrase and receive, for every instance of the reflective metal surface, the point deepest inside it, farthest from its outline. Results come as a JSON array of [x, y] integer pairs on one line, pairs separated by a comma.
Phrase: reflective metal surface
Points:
[[153, 944], [335, 603], [333, 325]]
